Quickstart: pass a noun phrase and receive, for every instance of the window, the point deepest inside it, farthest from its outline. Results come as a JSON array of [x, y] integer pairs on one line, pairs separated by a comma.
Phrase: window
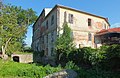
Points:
[[47, 24], [89, 37], [70, 18], [65, 15], [39, 23], [52, 36], [42, 39], [47, 39], [105, 26], [52, 20], [89, 22], [52, 51], [46, 53]]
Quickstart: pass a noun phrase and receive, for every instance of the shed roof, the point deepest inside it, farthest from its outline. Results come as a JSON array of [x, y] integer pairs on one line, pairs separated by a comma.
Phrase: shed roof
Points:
[[111, 30]]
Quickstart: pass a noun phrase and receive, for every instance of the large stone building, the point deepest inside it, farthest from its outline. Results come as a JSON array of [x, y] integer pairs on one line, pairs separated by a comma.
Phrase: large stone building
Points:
[[49, 25]]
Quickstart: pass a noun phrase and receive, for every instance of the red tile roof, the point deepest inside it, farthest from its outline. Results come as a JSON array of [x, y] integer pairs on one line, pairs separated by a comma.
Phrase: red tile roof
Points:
[[108, 30]]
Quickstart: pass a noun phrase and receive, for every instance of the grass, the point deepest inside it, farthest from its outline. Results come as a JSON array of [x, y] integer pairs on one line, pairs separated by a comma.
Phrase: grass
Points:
[[9, 69]]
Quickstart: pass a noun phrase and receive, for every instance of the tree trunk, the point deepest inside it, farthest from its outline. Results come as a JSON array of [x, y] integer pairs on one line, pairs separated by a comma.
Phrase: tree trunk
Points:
[[4, 56], [3, 51]]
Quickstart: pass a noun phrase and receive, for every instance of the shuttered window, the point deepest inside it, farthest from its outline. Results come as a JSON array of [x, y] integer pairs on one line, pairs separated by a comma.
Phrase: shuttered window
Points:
[[70, 18]]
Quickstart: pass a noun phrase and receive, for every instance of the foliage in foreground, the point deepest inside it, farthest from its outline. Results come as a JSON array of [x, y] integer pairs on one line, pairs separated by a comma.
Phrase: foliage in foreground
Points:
[[106, 57], [94, 63], [94, 72], [14, 69], [104, 64], [97, 73]]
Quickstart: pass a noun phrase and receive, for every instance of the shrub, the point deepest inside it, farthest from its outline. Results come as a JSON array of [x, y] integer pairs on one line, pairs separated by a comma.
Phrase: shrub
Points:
[[106, 57], [97, 56], [99, 73], [112, 57], [71, 65]]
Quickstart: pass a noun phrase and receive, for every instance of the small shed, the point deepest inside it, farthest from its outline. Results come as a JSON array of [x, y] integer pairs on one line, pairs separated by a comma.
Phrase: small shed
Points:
[[22, 58], [108, 36]]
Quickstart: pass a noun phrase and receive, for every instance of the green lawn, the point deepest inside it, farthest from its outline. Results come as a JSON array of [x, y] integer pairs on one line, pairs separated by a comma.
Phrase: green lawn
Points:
[[9, 69]]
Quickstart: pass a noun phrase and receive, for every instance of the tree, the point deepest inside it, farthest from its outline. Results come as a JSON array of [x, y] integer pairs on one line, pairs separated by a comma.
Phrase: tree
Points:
[[14, 22], [64, 43]]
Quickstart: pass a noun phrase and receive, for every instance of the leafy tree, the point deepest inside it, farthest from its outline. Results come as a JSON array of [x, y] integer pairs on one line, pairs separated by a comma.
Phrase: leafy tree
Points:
[[64, 43], [14, 22]]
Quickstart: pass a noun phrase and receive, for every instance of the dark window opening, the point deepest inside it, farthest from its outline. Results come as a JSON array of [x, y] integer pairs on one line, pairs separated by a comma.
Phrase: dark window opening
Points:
[[89, 22], [65, 15], [70, 18], [52, 51], [47, 24], [89, 37], [105, 26], [47, 39], [46, 52], [52, 20], [52, 36]]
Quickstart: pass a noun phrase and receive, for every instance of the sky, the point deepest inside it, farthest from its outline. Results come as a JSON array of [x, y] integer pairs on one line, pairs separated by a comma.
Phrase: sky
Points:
[[106, 8]]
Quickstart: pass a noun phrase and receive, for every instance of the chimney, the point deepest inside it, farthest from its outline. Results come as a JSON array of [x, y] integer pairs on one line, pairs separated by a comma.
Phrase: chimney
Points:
[[106, 19]]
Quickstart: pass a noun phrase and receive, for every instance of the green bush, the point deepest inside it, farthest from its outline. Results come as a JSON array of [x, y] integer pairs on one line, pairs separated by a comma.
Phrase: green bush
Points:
[[97, 73], [83, 56], [71, 65], [101, 63], [112, 58]]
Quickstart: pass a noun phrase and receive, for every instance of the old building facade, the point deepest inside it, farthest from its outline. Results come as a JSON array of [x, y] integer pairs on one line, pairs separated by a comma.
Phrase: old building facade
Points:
[[49, 25]]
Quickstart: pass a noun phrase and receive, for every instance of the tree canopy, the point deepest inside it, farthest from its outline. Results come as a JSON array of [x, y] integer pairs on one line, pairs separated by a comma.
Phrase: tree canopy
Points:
[[14, 22]]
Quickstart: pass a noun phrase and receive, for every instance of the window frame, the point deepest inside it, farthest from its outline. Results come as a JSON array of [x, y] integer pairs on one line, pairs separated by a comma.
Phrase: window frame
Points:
[[52, 36], [47, 38], [65, 16], [70, 19], [52, 20], [47, 24], [52, 51], [105, 27], [89, 22], [89, 36]]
